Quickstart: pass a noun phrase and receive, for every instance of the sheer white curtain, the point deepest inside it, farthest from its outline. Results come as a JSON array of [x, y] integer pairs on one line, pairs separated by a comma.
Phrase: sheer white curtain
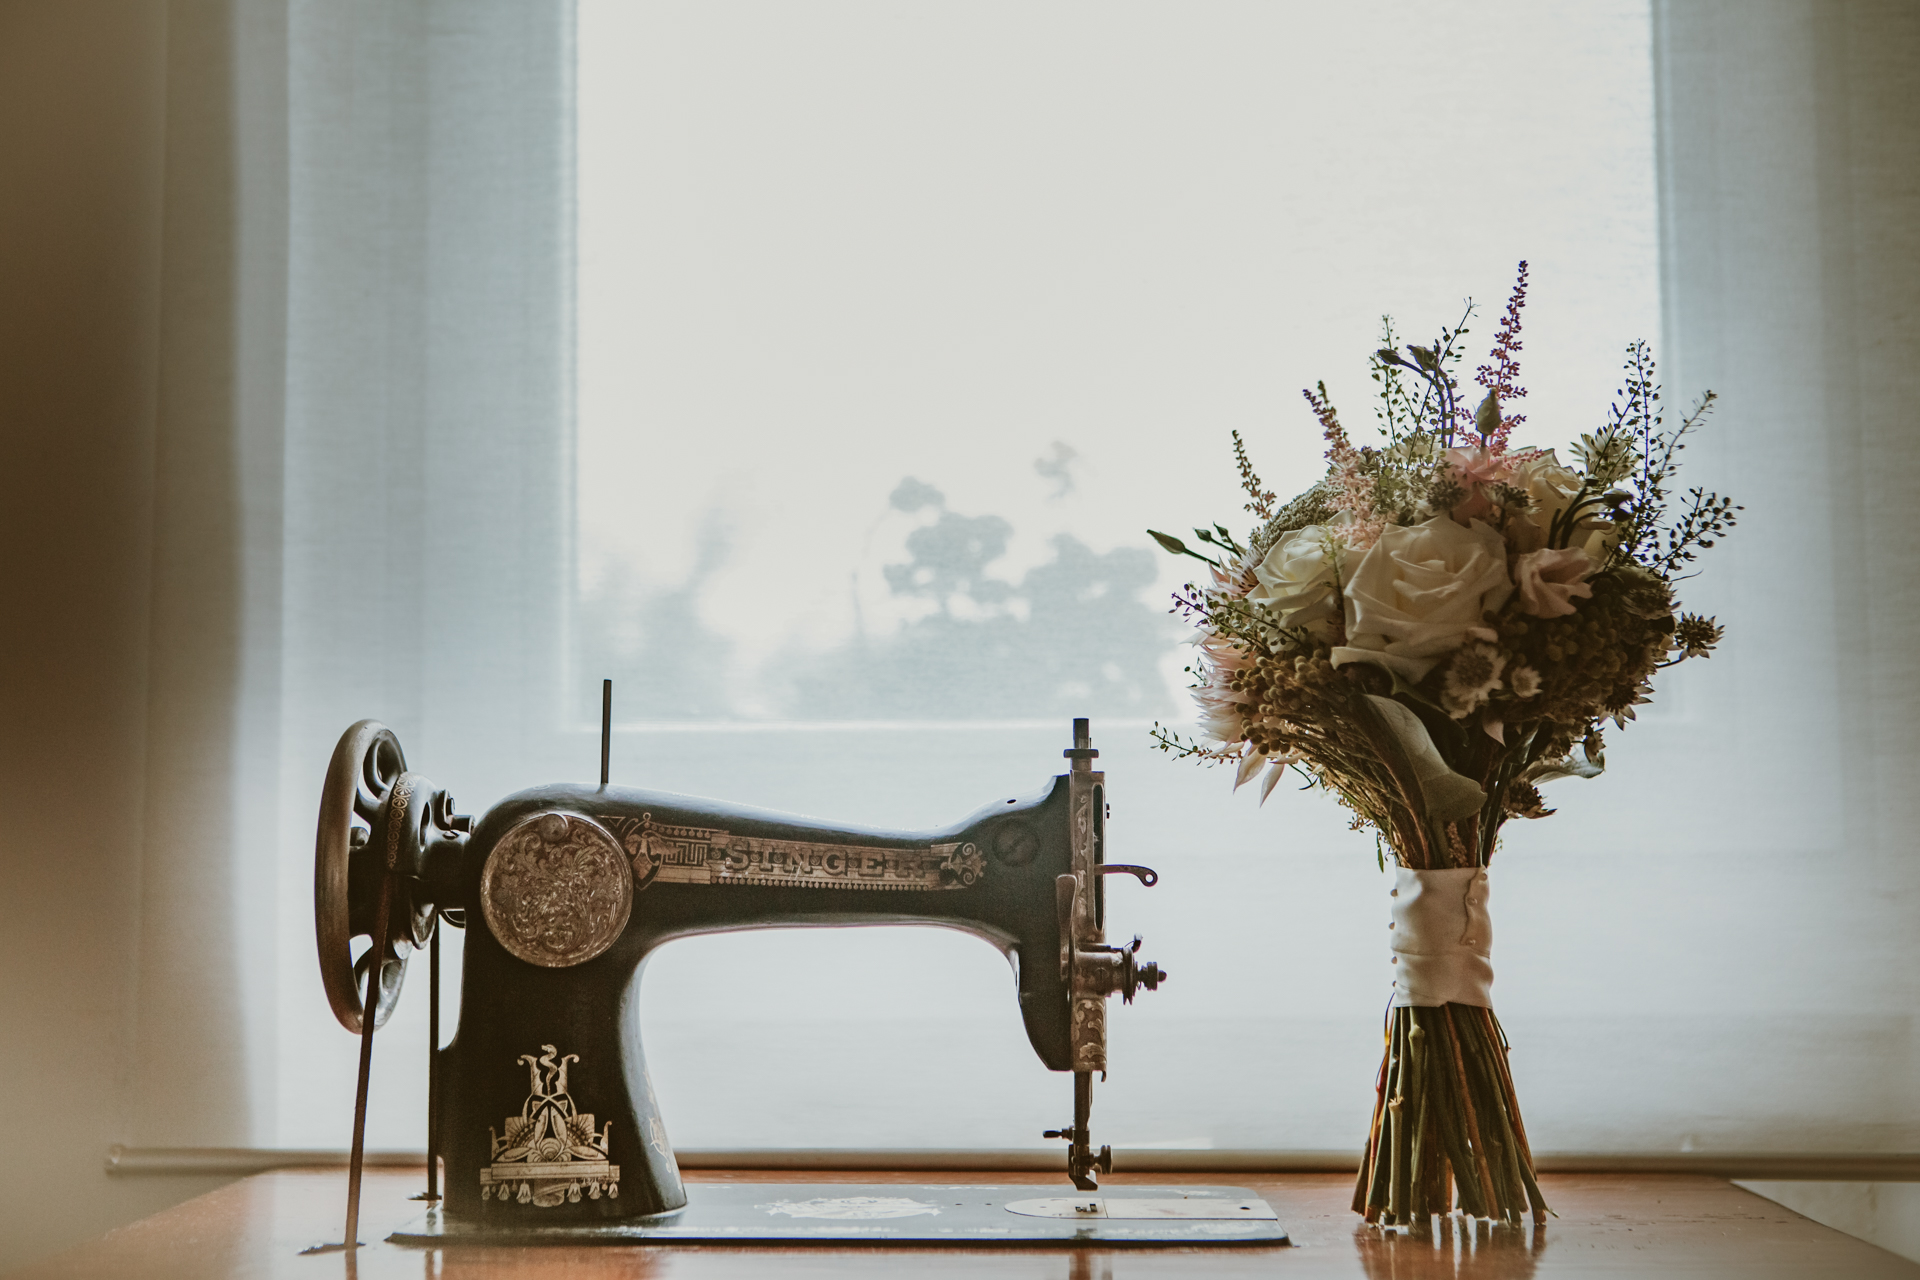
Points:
[[1784, 912], [362, 494], [284, 403], [424, 574]]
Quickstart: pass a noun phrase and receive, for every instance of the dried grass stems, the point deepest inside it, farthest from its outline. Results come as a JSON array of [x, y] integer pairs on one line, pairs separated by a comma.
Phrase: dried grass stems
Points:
[[1446, 1125]]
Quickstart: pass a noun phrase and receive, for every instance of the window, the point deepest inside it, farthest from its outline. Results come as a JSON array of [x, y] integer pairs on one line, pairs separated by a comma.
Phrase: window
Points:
[[897, 326]]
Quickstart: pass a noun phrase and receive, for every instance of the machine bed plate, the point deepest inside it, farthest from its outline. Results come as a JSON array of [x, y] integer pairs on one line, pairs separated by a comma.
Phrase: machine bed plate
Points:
[[893, 1214]]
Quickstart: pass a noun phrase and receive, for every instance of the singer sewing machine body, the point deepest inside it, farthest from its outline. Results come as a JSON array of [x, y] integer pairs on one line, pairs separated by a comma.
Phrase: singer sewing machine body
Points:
[[702, 867], [542, 1105]]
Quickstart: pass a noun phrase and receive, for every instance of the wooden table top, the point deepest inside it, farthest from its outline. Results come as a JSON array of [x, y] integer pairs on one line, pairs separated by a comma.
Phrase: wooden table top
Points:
[[1608, 1225]]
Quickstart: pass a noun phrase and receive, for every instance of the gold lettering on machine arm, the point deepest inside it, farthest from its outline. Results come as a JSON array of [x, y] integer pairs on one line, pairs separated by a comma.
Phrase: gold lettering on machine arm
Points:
[[668, 854]]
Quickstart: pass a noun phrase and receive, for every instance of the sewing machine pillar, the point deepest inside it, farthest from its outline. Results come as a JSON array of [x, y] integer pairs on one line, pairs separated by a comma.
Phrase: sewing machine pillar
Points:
[[546, 1099]]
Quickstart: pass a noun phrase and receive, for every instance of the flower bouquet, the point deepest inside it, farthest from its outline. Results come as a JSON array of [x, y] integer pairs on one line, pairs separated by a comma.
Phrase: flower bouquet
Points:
[[1435, 628]]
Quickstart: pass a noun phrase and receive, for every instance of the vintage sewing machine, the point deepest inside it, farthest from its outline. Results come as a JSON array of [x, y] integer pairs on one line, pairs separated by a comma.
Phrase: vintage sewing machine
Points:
[[542, 1105]]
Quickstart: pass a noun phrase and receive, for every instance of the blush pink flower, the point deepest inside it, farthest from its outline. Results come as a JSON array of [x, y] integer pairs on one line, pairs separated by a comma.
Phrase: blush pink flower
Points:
[[1476, 470], [1547, 582], [1478, 465], [1235, 578]]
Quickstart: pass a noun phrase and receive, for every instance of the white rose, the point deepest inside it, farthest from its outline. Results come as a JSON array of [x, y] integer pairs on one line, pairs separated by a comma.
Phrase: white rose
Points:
[[1552, 488], [1299, 579], [1550, 485], [1418, 594]]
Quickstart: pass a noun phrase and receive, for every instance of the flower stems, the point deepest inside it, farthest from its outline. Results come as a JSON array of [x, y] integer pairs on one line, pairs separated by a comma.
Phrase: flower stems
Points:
[[1445, 1120]]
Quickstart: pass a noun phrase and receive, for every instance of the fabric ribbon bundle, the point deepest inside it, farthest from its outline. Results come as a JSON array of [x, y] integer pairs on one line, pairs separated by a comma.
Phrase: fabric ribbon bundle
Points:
[[1445, 1052]]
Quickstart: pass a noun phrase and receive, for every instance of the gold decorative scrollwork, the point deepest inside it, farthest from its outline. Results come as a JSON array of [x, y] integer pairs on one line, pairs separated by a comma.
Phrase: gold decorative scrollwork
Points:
[[550, 1154]]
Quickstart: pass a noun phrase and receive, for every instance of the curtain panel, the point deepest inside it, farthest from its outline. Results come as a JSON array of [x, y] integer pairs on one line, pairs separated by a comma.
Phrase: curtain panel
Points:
[[285, 406], [424, 572]]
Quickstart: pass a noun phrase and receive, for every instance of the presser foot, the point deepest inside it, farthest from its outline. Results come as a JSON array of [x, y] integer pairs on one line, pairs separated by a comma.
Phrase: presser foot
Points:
[[1082, 1163]]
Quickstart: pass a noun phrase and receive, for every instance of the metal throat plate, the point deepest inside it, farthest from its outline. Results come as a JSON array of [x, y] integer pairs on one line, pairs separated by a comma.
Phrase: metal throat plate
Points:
[[829, 1213]]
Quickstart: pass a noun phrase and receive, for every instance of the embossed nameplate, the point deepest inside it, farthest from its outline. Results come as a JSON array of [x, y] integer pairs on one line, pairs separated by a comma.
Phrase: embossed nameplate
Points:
[[668, 854]]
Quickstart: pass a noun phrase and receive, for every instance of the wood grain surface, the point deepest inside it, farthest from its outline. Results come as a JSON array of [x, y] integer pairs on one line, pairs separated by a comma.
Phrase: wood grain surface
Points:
[[1609, 1225]]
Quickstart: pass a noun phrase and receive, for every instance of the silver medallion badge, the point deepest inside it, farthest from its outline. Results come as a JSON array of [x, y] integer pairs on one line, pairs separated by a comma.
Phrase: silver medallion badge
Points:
[[556, 890]]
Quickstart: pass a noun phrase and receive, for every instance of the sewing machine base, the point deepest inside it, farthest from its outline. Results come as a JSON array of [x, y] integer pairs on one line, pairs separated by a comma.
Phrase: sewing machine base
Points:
[[894, 1214]]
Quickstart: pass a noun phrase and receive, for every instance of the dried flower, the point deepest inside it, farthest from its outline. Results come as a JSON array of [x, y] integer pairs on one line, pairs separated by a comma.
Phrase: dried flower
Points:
[[1501, 374], [1696, 636], [1472, 676], [1475, 472], [1524, 801], [1523, 682], [1348, 476]]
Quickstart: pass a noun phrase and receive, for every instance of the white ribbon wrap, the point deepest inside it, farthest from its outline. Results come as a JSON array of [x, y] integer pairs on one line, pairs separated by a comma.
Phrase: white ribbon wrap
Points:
[[1442, 938]]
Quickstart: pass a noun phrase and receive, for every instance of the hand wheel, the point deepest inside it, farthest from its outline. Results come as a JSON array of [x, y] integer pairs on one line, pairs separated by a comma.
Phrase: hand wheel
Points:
[[368, 765]]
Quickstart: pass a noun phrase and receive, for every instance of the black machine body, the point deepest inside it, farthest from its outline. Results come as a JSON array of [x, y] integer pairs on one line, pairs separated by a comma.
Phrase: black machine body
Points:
[[543, 1107]]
